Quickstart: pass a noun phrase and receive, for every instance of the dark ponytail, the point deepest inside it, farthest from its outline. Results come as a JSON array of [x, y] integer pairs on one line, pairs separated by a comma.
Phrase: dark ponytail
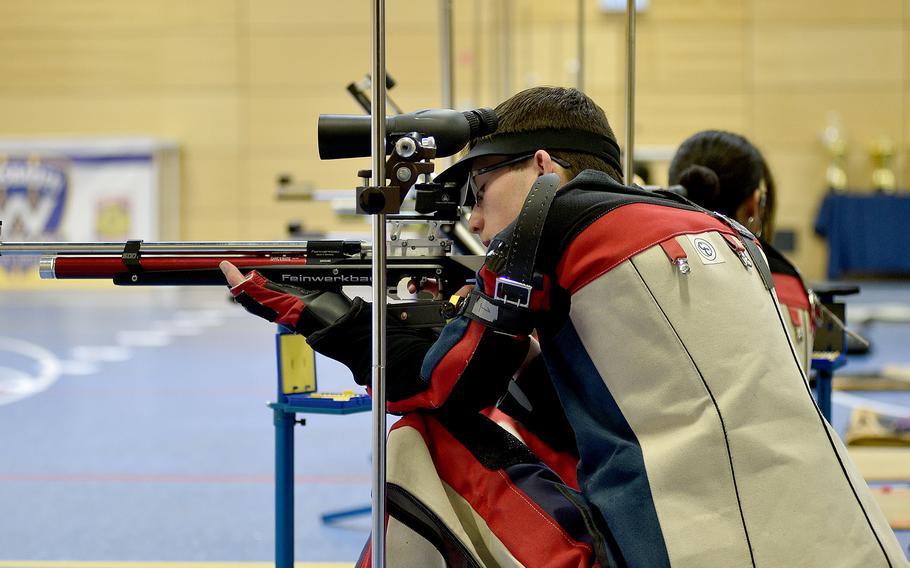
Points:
[[702, 185], [719, 170]]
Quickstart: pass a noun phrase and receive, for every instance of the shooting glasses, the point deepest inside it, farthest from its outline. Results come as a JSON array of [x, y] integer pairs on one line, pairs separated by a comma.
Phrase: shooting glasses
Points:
[[525, 144]]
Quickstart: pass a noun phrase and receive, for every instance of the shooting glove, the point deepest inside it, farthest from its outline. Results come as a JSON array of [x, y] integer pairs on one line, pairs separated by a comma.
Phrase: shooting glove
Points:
[[304, 311]]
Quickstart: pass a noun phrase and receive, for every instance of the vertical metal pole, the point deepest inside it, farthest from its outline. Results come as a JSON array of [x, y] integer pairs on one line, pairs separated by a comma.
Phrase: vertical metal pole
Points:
[[505, 49], [378, 133], [580, 73], [477, 41], [628, 167], [446, 64], [446, 56]]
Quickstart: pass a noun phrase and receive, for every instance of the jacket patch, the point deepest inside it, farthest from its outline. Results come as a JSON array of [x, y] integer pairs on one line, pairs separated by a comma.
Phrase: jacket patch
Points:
[[707, 252]]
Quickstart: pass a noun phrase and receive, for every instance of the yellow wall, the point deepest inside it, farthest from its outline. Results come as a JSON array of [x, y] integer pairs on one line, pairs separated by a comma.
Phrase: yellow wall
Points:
[[239, 84]]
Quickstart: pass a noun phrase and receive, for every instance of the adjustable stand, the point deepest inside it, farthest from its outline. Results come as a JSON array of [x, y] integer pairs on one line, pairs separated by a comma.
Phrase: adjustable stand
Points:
[[297, 394], [829, 350]]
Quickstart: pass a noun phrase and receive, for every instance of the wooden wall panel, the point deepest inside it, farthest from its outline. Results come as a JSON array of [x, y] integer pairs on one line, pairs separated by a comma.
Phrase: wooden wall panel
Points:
[[332, 60], [605, 60], [814, 12], [543, 54], [193, 122], [291, 60], [795, 57], [280, 120], [213, 179], [206, 224], [800, 179], [669, 12], [401, 15], [78, 64], [115, 16], [201, 122], [795, 121], [670, 118], [691, 58], [529, 12]]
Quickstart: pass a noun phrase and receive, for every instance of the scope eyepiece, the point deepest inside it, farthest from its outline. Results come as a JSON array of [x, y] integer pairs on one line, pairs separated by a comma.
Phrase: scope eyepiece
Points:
[[481, 121]]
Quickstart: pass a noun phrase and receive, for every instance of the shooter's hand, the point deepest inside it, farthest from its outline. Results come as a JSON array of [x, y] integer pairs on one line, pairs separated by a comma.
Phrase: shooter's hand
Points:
[[431, 286], [425, 287], [231, 273], [464, 290], [304, 311]]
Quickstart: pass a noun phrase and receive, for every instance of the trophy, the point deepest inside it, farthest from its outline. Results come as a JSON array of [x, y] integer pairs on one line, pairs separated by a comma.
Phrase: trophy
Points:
[[836, 145], [881, 152]]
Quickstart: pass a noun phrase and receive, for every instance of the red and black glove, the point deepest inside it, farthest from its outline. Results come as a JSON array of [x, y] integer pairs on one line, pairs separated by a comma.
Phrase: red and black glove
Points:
[[304, 311]]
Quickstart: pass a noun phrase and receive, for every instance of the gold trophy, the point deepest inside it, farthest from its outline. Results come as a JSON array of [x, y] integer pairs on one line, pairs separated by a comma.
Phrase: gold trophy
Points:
[[881, 152], [836, 145]]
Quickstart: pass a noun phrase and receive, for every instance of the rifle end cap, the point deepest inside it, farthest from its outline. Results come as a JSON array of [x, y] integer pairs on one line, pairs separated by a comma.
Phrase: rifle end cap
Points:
[[47, 268]]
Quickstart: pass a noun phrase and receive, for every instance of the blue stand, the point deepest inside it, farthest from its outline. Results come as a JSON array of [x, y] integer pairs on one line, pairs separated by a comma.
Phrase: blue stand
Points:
[[285, 417], [284, 487], [830, 342], [329, 518], [824, 378]]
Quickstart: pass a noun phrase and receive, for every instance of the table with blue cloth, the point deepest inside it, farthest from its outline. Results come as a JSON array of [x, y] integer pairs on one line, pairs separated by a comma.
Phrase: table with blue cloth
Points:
[[866, 233]]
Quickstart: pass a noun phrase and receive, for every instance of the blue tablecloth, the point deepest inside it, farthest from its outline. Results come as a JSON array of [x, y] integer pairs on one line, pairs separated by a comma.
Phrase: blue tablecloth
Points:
[[867, 233]]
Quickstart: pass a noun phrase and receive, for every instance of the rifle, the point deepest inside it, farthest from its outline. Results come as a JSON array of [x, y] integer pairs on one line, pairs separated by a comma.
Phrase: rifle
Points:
[[312, 265], [320, 264]]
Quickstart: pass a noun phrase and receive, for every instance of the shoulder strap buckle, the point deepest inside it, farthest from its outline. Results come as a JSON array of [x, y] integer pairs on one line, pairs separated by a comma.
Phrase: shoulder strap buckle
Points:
[[512, 292]]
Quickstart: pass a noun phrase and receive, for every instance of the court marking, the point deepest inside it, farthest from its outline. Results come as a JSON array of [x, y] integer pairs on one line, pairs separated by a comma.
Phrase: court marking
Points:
[[22, 385]]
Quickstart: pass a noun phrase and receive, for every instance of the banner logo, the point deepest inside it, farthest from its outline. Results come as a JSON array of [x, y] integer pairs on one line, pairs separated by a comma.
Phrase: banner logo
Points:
[[33, 196]]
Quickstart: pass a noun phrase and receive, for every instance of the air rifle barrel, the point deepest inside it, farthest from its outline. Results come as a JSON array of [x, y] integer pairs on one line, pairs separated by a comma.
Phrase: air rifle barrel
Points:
[[219, 248]]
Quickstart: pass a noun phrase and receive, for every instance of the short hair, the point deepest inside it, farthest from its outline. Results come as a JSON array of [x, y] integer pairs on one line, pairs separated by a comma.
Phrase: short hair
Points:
[[720, 170], [557, 107]]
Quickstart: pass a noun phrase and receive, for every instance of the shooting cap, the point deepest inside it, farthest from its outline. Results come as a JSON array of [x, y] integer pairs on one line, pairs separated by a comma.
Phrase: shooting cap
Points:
[[528, 142]]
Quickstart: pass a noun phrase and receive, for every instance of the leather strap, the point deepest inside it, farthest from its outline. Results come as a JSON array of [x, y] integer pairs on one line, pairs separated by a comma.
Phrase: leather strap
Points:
[[499, 315], [749, 241], [528, 228], [507, 310]]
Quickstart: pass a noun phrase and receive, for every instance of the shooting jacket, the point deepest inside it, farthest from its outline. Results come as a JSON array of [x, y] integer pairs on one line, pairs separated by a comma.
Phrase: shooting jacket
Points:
[[700, 444], [464, 492], [794, 299]]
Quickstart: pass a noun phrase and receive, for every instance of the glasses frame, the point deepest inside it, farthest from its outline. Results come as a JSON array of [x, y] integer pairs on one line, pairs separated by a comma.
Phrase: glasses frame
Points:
[[472, 186]]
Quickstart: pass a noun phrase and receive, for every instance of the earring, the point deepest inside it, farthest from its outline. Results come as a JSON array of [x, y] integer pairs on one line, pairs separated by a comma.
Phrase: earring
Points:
[[750, 224]]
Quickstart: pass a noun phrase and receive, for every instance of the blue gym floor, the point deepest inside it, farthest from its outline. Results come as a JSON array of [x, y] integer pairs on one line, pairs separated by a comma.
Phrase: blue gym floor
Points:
[[134, 431]]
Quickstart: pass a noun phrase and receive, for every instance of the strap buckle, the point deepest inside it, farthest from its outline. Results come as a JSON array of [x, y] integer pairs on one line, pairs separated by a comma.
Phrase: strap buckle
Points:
[[512, 292]]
